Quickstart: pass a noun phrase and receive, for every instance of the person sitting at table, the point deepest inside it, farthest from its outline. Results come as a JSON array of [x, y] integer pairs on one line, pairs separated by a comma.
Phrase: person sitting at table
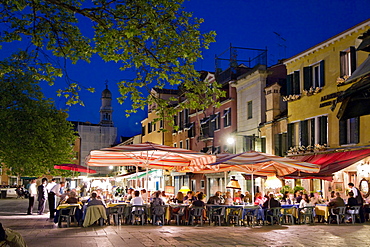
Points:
[[305, 202], [199, 203], [315, 198], [144, 195], [72, 198], [179, 198], [336, 202], [157, 201], [137, 200], [271, 202], [247, 197], [285, 198], [228, 199], [259, 199], [94, 200], [216, 200], [298, 196], [190, 196]]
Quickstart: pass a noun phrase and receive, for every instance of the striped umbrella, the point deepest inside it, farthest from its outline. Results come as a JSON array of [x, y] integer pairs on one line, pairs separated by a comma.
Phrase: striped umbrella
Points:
[[257, 163], [150, 155]]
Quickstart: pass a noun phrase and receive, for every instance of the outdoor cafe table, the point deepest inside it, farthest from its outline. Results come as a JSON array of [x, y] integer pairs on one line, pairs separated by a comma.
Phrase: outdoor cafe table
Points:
[[290, 209], [67, 207], [322, 210]]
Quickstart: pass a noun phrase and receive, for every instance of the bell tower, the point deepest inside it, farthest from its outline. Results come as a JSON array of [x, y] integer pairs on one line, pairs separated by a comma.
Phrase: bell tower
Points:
[[106, 109]]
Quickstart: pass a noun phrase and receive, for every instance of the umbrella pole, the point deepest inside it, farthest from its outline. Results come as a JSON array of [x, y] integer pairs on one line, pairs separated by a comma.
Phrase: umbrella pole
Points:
[[146, 179], [225, 183], [136, 182], [252, 187]]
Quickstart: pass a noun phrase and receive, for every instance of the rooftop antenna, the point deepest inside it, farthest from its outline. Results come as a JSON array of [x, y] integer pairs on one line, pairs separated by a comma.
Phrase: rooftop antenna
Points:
[[281, 44]]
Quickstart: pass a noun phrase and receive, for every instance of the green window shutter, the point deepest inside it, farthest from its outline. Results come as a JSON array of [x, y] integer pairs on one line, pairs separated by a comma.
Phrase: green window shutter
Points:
[[356, 130], [290, 135], [343, 63], [312, 137], [284, 143], [342, 132], [307, 78], [323, 130], [304, 133], [352, 53], [277, 143], [322, 73], [289, 86], [296, 83]]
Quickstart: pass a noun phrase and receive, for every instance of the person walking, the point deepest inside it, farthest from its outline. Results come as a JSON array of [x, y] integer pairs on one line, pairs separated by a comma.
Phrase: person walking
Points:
[[33, 193], [42, 195]]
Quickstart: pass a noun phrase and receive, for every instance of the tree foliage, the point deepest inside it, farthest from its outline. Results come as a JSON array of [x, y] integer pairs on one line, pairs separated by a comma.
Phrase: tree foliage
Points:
[[34, 135], [155, 38]]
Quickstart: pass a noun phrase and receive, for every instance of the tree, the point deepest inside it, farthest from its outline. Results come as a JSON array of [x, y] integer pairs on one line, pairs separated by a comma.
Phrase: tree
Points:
[[155, 38], [34, 135]]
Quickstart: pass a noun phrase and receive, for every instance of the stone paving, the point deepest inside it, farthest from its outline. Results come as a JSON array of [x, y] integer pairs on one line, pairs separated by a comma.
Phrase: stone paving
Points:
[[37, 230]]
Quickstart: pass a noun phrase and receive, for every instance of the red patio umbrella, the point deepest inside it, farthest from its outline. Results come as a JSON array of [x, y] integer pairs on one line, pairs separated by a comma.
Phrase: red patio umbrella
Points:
[[74, 167]]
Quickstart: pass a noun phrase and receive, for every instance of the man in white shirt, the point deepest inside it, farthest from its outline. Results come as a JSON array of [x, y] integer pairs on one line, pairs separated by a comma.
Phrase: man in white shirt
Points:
[[33, 193], [54, 197]]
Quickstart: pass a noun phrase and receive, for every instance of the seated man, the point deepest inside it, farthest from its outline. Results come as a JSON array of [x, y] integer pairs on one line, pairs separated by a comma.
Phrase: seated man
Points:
[[336, 202], [216, 200]]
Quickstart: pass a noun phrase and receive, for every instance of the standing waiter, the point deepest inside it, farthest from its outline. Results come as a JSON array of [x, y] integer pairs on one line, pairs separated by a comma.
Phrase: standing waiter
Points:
[[360, 200], [32, 189]]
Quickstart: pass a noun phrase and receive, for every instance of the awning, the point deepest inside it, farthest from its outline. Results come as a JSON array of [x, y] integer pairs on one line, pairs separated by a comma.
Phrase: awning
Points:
[[329, 162], [355, 100], [140, 175]]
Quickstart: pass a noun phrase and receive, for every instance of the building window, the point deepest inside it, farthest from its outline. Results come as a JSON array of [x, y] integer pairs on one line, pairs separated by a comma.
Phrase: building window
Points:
[[180, 144], [216, 121], [149, 127], [143, 130], [249, 108], [187, 146], [227, 117], [194, 185], [349, 131], [191, 130], [161, 124], [202, 184], [175, 145], [314, 76], [347, 62], [310, 132], [154, 126], [280, 144]]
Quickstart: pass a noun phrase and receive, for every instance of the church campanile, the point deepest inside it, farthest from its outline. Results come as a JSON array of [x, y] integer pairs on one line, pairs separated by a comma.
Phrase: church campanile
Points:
[[106, 109]]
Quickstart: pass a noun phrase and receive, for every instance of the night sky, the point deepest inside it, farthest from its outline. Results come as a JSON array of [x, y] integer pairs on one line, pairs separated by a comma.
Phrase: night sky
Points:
[[284, 27]]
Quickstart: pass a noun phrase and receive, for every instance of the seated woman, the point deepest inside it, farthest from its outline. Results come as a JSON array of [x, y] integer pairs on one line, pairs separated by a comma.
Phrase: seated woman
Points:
[[199, 203], [228, 199], [94, 200], [190, 197], [179, 198], [72, 198], [157, 201]]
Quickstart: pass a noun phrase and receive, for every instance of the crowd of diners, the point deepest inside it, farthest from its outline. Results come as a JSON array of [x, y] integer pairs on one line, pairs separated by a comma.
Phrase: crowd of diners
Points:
[[299, 199]]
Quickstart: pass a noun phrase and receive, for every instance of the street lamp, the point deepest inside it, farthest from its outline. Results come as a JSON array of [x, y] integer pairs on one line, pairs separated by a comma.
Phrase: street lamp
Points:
[[230, 140]]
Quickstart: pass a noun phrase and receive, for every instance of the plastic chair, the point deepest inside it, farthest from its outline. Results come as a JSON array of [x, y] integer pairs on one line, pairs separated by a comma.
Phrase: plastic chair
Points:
[[274, 214], [179, 214], [196, 213], [158, 213], [308, 214], [118, 214], [288, 217], [339, 213], [138, 212], [68, 214], [354, 213], [216, 214], [234, 215], [251, 216]]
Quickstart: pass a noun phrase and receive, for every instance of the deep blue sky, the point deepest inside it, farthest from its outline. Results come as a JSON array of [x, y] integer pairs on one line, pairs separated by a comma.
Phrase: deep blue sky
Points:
[[244, 23]]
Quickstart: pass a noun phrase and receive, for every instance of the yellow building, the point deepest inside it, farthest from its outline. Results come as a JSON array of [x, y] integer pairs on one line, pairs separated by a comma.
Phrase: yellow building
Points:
[[315, 77], [151, 128]]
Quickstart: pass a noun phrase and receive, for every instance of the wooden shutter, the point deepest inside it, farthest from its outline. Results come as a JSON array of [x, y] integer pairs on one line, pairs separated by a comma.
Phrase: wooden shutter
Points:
[[323, 130], [296, 83], [304, 133], [312, 137], [289, 86], [352, 53], [307, 78], [342, 132], [356, 130], [290, 135], [322, 73], [277, 144], [343, 63]]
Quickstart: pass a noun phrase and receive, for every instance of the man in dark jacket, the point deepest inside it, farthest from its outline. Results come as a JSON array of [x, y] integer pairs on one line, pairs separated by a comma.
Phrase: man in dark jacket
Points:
[[216, 200], [42, 195]]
